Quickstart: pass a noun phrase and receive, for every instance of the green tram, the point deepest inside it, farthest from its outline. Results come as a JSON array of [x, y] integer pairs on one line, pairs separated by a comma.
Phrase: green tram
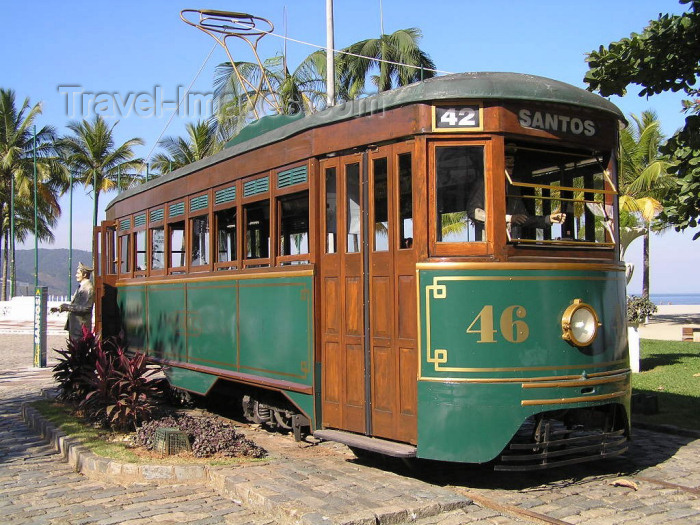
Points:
[[432, 271]]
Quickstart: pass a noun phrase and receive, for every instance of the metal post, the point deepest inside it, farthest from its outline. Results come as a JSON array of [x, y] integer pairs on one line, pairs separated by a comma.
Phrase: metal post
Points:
[[330, 57], [70, 239], [40, 307], [12, 235], [36, 222], [148, 169]]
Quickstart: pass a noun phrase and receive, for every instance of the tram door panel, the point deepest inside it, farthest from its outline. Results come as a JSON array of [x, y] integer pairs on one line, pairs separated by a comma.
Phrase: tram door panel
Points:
[[343, 389], [368, 296], [107, 320]]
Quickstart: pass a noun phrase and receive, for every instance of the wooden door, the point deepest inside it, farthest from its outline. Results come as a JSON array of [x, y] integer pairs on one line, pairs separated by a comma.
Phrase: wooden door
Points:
[[368, 294], [107, 318], [392, 294], [342, 295]]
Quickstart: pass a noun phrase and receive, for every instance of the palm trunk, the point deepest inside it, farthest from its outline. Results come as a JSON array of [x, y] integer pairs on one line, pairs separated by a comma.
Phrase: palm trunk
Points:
[[5, 257], [645, 258]]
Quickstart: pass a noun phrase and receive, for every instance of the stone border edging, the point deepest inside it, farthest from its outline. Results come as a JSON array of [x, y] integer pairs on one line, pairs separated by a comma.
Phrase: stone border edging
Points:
[[83, 460]]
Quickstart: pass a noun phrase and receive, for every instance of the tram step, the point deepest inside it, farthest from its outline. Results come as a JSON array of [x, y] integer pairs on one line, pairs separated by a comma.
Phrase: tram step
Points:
[[381, 446]]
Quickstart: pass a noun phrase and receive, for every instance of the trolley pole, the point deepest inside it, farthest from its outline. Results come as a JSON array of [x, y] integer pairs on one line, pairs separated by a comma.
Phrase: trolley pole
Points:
[[330, 57]]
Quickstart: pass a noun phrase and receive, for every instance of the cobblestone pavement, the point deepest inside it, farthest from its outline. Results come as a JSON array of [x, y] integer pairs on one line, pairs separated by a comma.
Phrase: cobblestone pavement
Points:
[[37, 486]]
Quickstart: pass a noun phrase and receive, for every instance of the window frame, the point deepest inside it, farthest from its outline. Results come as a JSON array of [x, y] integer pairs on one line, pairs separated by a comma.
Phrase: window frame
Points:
[[191, 217], [245, 203], [278, 195], [451, 249], [170, 220], [153, 225]]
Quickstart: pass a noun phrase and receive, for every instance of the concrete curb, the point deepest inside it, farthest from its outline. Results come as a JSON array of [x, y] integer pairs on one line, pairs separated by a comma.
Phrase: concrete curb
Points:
[[87, 462], [274, 490]]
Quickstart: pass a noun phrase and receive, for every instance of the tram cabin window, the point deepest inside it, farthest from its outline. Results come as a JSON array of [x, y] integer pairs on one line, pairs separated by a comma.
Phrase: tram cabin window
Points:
[[460, 194], [111, 244], [294, 225], [140, 239], [157, 248], [352, 195], [557, 195], [125, 253], [177, 245], [405, 202], [381, 204], [257, 231], [200, 240], [226, 237], [331, 211]]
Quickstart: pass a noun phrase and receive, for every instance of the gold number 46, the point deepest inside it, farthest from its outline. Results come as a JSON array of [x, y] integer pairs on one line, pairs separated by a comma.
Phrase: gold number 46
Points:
[[512, 330]]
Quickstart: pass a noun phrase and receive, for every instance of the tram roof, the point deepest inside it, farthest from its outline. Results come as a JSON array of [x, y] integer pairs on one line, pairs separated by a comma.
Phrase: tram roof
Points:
[[482, 86]]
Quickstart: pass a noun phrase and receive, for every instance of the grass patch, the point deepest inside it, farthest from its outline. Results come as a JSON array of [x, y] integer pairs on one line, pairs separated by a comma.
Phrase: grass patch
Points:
[[118, 446], [671, 371]]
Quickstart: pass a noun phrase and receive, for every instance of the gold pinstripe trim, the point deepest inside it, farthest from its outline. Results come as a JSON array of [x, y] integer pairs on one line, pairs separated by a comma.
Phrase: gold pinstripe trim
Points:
[[182, 279], [564, 400], [607, 267], [524, 380]]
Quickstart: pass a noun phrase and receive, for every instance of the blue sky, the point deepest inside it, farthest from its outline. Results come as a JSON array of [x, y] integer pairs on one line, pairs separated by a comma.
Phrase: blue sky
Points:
[[132, 60]]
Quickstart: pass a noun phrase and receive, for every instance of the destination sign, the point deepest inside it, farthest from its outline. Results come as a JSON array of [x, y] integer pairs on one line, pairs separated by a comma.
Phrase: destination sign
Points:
[[556, 122]]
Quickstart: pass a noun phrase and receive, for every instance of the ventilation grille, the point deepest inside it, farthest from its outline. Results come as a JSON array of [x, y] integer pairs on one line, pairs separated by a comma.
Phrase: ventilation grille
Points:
[[177, 209], [255, 187], [199, 203], [291, 177], [225, 195]]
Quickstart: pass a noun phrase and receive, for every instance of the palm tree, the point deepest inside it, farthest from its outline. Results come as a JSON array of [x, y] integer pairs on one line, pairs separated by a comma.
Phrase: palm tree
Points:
[[94, 159], [301, 91], [201, 142], [397, 56], [399, 60], [19, 142], [644, 177]]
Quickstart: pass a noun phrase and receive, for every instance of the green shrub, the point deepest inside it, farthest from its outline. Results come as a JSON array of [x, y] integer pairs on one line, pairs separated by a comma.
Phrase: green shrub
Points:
[[109, 386], [639, 309]]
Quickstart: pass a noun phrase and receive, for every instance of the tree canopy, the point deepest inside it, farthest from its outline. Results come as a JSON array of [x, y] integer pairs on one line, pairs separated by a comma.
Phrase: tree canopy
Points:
[[665, 56]]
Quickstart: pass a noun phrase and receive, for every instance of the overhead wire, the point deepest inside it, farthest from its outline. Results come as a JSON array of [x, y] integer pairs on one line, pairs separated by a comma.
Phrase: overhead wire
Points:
[[290, 39]]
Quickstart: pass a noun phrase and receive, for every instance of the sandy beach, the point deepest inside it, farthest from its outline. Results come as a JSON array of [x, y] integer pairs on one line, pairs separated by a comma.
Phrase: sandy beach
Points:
[[669, 320]]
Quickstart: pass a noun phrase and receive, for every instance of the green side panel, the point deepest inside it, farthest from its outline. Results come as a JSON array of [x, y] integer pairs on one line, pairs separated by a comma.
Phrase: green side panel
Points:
[[211, 324], [132, 305], [190, 380], [306, 403], [276, 328], [167, 321], [482, 326]]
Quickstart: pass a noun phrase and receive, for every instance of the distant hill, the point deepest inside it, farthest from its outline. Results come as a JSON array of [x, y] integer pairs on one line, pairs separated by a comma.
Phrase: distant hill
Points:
[[53, 270]]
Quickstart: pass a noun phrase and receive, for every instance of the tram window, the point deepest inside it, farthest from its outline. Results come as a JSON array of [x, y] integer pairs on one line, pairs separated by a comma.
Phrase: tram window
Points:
[[111, 243], [200, 240], [257, 230], [125, 253], [157, 248], [140, 238], [381, 205], [226, 235], [331, 211], [294, 224], [177, 244], [557, 195], [352, 210], [460, 194], [405, 201]]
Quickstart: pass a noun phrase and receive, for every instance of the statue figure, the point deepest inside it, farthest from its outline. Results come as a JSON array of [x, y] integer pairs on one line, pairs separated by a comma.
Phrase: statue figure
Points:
[[80, 307]]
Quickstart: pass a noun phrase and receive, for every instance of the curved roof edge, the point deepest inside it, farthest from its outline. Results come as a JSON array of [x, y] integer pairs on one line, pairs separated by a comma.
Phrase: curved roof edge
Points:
[[485, 86]]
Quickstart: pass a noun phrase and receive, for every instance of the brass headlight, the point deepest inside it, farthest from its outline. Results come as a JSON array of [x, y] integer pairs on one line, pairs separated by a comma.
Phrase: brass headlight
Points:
[[579, 324]]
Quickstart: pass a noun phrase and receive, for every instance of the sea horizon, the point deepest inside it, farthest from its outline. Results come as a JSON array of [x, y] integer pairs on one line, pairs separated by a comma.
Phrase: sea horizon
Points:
[[672, 298]]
